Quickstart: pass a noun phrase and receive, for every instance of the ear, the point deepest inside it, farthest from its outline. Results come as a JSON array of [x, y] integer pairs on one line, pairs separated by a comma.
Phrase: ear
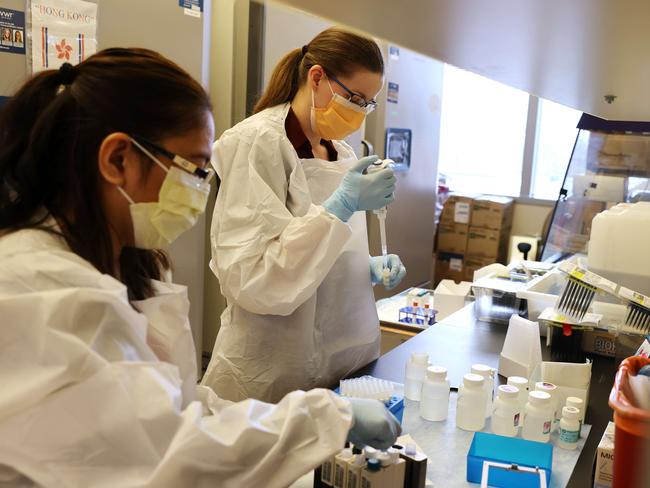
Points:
[[114, 153], [315, 76]]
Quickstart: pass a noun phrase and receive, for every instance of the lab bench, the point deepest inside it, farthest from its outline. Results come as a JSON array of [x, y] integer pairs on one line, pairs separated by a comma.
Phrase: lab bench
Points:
[[461, 340]]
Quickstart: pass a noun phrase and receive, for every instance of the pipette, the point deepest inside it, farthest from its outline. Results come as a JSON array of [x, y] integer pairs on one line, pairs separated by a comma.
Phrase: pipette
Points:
[[381, 217]]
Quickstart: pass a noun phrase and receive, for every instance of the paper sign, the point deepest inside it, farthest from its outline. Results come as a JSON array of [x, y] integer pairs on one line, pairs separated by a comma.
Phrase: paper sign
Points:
[[456, 264], [191, 7], [393, 92], [63, 31], [461, 213], [12, 31]]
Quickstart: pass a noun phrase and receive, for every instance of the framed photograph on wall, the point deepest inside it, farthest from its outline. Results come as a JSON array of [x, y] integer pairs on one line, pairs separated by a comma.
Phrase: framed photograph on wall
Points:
[[398, 147]]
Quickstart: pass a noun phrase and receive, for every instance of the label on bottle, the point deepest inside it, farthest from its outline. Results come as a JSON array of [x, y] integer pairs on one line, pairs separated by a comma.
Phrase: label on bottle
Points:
[[352, 479], [326, 472], [339, 475], [516, 420], [569, 436], [547, 427]]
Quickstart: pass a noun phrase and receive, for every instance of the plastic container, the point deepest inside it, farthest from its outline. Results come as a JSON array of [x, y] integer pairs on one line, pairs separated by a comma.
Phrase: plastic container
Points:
[[569, 428], [508, 450], [470, 410], [434, 402], [632, 446], [552, 390], [538, 417], [580, 405], [496, 300], [416, 370], [522, 384], [488, 373], [505, 418]]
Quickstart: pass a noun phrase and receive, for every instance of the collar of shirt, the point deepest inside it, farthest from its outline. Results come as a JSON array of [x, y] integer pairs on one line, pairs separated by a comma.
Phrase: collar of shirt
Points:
[[300, 142]]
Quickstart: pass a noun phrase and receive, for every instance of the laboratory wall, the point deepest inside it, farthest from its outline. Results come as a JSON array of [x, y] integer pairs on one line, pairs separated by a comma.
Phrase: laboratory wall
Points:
[[410, 224]]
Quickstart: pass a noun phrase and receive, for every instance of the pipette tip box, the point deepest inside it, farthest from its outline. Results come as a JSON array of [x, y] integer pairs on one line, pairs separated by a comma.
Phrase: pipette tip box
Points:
[[511, 451], [396, 403]]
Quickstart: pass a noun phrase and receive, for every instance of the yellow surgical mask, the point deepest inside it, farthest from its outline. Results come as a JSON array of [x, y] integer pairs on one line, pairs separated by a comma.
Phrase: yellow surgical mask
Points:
[[339, 119]]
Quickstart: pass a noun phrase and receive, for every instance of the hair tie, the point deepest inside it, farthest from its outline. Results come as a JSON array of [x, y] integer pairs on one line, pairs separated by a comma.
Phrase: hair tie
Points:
[[304, 50], [67, 74]]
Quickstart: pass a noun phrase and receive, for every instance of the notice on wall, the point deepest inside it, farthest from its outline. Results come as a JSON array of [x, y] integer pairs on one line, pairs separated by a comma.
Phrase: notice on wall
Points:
[[63, 31], [12, 31], [392, 95], [193, 8]]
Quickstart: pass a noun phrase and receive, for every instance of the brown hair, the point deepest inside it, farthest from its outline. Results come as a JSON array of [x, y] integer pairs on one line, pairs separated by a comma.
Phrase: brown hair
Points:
[[50, 134], [338, 51]]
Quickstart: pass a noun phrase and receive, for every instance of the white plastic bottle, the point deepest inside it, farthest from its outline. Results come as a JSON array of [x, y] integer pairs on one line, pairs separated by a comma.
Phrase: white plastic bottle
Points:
[[470, 410], [341, 467], [580, 405], [569, 428], [488, 373], [434, 401], [416, 369], [552, 390], [521, 383], [538, 417], [505, 418]]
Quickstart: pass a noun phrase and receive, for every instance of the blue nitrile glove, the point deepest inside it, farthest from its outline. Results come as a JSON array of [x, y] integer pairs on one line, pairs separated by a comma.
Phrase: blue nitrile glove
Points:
[[373, 424], [396, 271], [360, 191]]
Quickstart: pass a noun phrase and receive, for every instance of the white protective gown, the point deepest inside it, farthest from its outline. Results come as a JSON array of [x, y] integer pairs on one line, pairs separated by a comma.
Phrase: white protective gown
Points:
[[96, 394], [301, 311]]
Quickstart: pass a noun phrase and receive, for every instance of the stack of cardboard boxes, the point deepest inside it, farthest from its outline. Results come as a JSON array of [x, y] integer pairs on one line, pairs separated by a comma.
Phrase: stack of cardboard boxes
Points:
[[474, 231]]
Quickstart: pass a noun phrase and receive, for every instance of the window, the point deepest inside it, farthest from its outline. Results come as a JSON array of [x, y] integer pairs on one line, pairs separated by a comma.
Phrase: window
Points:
[[556, 134], [482, 134]]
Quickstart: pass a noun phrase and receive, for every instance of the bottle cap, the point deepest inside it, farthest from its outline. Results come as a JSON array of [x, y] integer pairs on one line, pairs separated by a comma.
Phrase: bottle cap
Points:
[[385, 459], [374, 465], [508, 391], [410, 449], [575, 402], [420, 358], [369, 452], [473, 380], [483, 370], [518, 381], [571, 413], [539, 398], [346, 453], [393, 453], [545, 386], [437, 373]]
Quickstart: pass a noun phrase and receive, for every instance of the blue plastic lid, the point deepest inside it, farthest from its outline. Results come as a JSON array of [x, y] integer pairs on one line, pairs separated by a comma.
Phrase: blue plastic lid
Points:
[[374, 465]]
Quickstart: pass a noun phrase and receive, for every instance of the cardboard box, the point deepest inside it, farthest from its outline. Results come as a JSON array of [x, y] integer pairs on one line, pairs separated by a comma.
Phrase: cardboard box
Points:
[[488, 243], [458, 209], [492, 212], [620, 153], [449, 267], [599, 342], [473, 263], [452, 238], [605, 459]]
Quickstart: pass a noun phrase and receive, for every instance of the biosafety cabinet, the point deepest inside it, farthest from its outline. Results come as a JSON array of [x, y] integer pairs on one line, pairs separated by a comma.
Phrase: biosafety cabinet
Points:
[[609, 164]]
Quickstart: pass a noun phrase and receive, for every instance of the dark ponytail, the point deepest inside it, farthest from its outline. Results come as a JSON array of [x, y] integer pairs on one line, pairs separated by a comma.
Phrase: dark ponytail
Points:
[[338, 51], [50, 134]]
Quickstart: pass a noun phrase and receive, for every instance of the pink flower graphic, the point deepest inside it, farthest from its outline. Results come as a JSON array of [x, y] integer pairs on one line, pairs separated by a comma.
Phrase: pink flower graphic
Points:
[[63, 50]]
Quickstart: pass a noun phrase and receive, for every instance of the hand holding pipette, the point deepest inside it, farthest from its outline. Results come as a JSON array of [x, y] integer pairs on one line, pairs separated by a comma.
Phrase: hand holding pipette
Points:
[[381, 217]]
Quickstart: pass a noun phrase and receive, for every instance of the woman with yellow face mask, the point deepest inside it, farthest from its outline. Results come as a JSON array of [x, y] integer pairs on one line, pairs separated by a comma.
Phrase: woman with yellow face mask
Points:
[[289, 242]]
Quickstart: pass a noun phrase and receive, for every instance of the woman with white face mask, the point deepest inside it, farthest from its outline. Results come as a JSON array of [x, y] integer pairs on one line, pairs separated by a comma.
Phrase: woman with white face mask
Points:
[[101, 164], [289, 240]]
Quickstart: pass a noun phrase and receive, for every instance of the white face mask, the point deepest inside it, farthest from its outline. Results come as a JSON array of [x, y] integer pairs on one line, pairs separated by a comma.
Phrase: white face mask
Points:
[[181, 200]]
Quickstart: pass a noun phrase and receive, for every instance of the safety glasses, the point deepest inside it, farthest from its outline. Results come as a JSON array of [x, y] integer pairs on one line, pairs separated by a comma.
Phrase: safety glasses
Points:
[[367, 105], [188, 166]]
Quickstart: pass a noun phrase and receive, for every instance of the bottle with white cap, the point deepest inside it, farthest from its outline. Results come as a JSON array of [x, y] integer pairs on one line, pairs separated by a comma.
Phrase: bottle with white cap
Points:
[[521, 383], [552, 390], [416, 369], [355, 466], [434, 401], [488, 373], [505, 418], [372, 475], [470, 410], [538, 417], [341, 467], [393, 466], [580, 405], [569, 428]]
